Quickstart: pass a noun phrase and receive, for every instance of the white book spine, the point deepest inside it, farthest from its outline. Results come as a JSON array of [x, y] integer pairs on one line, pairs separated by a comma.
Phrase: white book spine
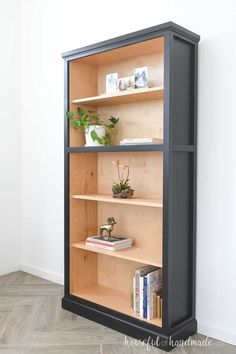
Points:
[[137, 294], [134, 294], [149, 300], [138, 274], [141, 296]]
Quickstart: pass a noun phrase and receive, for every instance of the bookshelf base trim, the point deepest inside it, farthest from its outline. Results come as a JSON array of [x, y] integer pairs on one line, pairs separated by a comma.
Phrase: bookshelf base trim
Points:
[[124, 324]]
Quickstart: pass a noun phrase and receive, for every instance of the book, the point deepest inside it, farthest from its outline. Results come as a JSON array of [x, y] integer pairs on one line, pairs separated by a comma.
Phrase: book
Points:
[[159, 304], [132, 300], [108, 247], [141, 293], [140, 272], [107, 244], [113, 240], [145, 296], [134, 141], [134, 296], [154, 302], [154, 284], [114, 244], [161, 308]]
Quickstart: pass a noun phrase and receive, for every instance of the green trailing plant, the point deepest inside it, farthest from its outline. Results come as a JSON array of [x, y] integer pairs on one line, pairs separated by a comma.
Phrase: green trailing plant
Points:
[[122, 189], [86, 118]]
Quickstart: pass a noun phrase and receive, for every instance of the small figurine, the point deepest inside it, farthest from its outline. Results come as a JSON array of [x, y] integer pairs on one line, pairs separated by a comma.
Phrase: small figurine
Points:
[[107, 227]]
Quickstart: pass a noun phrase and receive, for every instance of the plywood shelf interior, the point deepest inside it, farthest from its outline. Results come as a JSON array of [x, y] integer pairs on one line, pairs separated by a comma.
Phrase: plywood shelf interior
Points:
[[149, 202], [102, 276], [117, 301], [136, 254], [121, 97], [91, 203]]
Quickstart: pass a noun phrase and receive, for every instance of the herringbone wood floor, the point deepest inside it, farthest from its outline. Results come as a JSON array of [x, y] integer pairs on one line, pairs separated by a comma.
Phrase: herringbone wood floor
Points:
[[32, 321]]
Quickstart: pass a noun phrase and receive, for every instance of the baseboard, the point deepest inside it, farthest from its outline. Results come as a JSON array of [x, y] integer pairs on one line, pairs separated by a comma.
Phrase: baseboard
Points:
[[42, 273], [223, 335]]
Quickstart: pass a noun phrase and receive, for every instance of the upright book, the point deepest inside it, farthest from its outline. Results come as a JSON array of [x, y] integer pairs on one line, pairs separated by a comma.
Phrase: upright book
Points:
[[139, 274], [153, 285]]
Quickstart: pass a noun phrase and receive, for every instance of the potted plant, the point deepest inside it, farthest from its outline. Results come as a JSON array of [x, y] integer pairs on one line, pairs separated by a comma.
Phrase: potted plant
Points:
[[96, 131], [122, 189]]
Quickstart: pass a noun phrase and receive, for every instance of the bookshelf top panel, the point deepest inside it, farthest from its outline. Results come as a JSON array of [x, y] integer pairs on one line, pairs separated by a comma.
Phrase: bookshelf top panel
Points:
[[129, 51]]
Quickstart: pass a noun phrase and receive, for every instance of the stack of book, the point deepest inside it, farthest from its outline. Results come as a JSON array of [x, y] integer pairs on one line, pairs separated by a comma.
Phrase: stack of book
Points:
[[147, 296], [137, 141], [113, 244]]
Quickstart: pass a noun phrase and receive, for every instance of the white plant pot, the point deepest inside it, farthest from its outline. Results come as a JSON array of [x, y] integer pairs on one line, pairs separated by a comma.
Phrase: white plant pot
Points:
[[101, 132]]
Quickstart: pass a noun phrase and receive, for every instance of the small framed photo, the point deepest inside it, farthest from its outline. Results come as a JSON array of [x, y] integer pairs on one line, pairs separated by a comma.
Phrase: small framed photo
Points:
[[141, 77], [111, 82], [126, 83]]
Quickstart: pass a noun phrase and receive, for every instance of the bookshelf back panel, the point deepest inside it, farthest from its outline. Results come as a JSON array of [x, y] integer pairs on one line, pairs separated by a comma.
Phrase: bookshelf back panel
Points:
[[124, 68], [139, 119], [106, 281], [89, 269], [87, 78], [142, 224], [146, 172], [116, 273], [92, 173]]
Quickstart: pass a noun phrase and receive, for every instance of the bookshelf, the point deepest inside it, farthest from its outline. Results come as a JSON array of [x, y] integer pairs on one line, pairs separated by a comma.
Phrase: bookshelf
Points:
[[161, 215]]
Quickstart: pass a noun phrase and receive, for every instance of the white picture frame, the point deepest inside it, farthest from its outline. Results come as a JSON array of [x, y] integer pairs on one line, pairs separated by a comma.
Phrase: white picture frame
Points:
[[111, 82], [141, 77]]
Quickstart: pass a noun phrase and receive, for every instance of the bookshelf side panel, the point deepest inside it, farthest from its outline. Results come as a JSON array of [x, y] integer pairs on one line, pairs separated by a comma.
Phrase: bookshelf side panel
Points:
[[181, 239], [182, 92]]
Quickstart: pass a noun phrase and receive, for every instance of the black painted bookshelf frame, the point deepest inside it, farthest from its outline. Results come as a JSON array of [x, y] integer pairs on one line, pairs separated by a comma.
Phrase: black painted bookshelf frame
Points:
[[180, 166]]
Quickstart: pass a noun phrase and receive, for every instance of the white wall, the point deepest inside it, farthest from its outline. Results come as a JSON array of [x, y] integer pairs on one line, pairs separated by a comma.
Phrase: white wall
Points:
[[10, 137], [50, 27]]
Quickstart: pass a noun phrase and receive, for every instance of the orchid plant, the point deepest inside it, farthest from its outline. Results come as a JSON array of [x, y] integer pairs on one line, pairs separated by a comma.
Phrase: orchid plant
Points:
[[123, 174]]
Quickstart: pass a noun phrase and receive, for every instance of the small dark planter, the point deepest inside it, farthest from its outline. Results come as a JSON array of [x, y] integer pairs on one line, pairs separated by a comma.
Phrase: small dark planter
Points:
[[125, 193]]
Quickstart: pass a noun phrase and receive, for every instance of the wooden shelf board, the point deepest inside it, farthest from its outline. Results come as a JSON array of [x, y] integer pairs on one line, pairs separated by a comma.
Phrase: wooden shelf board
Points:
[[117, 148], [121, 97], [134, 253], [117, 301], [149, 202]]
